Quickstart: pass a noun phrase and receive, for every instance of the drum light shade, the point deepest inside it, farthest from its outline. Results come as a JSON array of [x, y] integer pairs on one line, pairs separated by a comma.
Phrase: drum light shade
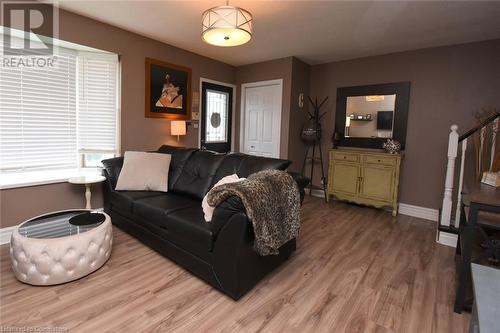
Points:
[[178, 127], [226, 26]]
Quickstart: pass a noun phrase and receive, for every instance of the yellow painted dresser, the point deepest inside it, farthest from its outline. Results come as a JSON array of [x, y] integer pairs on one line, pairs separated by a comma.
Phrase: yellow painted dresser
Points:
[[364, 177]]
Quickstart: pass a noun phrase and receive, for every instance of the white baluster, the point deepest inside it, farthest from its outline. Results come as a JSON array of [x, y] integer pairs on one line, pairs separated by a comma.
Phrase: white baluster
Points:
[[481, 148], [460, 183], [450, 173], [494, 130]]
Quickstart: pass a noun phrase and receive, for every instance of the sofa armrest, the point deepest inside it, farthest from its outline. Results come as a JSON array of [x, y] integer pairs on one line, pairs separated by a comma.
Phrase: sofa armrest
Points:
[[112, 169], [236, 264], [233, 205], [302, 182], [225, 211]]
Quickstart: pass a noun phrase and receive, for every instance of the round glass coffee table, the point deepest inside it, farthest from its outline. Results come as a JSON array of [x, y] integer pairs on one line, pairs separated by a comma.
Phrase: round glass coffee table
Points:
[[60, 247]]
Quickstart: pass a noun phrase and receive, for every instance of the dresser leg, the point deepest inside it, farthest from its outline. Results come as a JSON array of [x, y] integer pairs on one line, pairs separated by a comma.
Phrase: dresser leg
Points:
[[395, 210]]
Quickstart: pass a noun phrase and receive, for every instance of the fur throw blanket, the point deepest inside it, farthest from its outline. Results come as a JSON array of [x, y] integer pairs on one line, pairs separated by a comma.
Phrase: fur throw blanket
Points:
[[272, 202]]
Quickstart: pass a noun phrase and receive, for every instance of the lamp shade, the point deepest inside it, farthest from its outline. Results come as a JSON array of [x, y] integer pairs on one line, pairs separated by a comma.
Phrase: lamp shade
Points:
[[226, 26], [177, 127]]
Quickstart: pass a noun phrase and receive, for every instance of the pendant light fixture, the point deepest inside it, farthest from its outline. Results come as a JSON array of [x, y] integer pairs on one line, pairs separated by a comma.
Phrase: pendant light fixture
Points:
[[226, 26]]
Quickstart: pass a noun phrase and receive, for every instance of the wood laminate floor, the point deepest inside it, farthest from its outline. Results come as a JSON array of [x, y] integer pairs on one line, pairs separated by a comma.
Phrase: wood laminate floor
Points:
[[355, 270]]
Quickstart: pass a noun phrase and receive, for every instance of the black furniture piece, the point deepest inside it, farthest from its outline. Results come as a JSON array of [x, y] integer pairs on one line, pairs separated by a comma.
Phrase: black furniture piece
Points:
[[480, 210], [221, 252]]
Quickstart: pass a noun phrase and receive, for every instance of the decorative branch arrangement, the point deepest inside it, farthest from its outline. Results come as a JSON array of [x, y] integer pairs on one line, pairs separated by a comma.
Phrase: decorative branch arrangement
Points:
[[485, 143]]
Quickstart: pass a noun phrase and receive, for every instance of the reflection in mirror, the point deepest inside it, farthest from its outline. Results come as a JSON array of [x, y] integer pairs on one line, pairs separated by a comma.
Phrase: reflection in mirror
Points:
[[370, 116]]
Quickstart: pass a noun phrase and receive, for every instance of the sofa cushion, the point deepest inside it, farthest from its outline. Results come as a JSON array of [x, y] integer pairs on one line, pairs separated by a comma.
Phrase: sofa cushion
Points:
[[229, 165], [253, 164], [155, 209], [244, 165], [123, 200], [179, 157], [197, 174], [187, 228]]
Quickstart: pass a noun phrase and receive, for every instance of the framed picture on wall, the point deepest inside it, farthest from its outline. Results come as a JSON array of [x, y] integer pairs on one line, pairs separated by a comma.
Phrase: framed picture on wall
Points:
[[168, 90]]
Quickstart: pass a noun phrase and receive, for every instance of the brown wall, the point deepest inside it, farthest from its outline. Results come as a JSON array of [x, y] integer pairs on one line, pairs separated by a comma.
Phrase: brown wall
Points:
[[22, 203], [138, 132], [300, 84], [447, 85], [269, 70], [295, 75]]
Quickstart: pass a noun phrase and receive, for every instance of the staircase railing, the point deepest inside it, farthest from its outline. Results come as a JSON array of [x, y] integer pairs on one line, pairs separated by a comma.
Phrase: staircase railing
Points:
[[455, 141]]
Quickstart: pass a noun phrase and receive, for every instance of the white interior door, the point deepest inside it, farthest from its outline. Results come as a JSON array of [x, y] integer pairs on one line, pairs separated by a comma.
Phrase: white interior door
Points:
[[261, 121]]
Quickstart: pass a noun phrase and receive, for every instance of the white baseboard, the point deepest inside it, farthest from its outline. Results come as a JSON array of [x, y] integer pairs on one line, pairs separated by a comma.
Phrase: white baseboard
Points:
[[447, 239], [420, 212], [404, 209], [5, 234], [316, 193]]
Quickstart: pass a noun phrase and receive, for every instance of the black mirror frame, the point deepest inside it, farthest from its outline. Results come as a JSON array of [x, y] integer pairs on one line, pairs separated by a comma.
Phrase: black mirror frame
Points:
[[402, 91]]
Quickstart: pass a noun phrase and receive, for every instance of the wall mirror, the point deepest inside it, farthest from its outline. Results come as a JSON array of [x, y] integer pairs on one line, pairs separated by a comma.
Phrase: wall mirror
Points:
[[366, 116]]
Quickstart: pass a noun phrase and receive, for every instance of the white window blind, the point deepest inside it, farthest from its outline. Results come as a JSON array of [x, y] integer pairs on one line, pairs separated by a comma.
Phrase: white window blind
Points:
[[38, 116], [97, 104], [50, 116]]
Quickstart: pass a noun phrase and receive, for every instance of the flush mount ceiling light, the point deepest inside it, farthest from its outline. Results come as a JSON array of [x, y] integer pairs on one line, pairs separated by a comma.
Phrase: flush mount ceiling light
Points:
[[226, 26]]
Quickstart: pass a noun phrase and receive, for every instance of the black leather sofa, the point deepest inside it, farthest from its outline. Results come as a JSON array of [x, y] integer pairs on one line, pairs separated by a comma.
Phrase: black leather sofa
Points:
[[172, 223]]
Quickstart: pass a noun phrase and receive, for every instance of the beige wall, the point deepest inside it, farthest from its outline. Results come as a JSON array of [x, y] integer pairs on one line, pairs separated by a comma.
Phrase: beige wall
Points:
[[447, 85], [138, 132]]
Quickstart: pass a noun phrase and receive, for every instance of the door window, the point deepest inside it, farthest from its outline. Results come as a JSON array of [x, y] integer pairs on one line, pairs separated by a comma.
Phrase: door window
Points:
[[217, 116], [216, 110]]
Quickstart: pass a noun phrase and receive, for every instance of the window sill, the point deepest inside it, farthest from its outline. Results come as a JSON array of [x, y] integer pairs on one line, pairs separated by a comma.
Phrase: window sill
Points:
[[35, 178]]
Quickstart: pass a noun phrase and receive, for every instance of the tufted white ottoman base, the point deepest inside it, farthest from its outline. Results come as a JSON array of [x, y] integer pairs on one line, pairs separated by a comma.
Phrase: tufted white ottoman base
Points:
[[48, 261]]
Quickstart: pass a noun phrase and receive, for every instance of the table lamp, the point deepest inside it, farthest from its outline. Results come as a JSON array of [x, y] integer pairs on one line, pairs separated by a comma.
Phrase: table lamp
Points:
[[178, 127]]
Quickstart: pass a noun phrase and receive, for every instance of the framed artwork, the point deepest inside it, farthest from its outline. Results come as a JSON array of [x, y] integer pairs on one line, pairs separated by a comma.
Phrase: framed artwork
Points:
[[168, 90]]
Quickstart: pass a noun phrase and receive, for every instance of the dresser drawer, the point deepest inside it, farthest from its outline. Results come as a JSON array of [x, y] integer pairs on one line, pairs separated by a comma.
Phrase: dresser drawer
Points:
[[380, 160], [346, 157]]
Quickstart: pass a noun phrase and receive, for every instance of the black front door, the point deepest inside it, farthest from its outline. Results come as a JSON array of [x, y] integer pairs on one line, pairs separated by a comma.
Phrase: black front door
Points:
[[216, 113]]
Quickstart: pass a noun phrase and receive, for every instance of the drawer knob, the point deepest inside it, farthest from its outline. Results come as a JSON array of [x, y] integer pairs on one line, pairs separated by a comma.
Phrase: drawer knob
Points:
[[344, 157], [379, 160]]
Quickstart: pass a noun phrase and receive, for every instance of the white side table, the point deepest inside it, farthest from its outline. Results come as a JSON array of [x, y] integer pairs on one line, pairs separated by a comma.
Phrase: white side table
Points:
[[87, 181]]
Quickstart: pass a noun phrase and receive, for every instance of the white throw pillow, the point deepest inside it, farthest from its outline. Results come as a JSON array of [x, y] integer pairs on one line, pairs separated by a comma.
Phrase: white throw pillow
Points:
[[209, 210], [143, 171]]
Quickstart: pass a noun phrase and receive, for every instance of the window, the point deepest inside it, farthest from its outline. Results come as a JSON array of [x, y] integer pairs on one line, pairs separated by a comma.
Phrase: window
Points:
[[58, 118], [217, 114]]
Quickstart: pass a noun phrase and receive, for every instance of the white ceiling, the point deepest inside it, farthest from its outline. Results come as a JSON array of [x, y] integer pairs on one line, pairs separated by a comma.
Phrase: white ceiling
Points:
[[314, 31]]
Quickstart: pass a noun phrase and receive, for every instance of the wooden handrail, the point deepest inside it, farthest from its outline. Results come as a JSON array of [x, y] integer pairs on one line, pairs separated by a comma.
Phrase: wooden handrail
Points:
[[478, 127]]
